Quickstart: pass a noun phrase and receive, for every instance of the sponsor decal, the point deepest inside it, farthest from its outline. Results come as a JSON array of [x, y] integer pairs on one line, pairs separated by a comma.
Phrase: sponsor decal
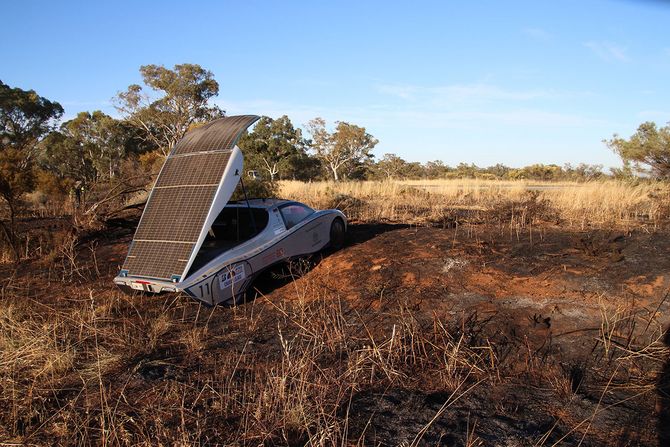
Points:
[[232, 276]]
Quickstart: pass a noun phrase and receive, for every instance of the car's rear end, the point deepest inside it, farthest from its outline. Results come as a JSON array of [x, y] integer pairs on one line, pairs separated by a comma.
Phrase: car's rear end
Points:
[[132, 284]]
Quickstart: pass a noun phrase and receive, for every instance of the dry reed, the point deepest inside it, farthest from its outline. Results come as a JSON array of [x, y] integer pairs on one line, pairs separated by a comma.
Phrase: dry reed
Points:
[[596, 204]]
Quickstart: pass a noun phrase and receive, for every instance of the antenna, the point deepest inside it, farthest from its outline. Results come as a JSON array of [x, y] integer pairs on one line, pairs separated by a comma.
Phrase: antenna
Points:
[[251, 214]]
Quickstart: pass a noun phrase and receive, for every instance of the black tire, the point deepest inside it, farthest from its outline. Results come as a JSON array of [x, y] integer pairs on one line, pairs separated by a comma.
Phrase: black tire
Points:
[[337, 234]]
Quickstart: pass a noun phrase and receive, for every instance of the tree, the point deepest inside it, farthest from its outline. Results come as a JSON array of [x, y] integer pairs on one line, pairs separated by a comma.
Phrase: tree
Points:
[[464, 170], [66, 157], [180, 100], [499, 171], [347, 148], [14, 182], [104, 139], [391, 165], [648, 146], [88, 147], [412, 170], [436, 169], [274, 146], [542, 172], [25, 117], [582, 171], [306, 168]]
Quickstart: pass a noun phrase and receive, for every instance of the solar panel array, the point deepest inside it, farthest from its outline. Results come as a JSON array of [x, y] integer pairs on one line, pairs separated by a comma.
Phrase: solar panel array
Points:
[[220, 134], [181, 199]]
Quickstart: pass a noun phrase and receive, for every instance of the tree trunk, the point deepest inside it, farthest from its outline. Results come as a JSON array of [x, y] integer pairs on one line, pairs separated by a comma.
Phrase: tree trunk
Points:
[[10, 231], [335, 173]]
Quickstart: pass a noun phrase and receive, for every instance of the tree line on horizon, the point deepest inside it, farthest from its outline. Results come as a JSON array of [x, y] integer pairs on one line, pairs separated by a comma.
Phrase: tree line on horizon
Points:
[[39, 153]]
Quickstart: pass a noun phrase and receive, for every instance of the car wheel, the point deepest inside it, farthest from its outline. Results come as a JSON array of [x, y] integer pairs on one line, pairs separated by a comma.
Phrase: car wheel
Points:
[[337, 234]]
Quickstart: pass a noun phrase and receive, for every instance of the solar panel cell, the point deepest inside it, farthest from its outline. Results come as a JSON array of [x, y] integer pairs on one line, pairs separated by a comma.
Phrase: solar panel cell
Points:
[[193, 169], [176, 214], [155, 259], [221, 134], [182, 198]]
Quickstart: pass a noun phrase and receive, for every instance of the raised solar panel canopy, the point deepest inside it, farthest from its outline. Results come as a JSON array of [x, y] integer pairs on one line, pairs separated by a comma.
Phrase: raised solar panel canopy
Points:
[[195, 183]]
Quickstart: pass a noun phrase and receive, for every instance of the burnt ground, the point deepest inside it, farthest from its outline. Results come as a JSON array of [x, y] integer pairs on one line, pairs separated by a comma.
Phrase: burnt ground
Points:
[[547, 296], [562, 332]]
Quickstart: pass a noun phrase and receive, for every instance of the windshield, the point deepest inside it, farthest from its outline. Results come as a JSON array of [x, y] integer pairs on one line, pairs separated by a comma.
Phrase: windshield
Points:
[[295, 213]]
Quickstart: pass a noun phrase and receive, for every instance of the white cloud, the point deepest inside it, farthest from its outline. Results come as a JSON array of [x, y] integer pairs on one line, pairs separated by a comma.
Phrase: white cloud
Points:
[[608, 51]]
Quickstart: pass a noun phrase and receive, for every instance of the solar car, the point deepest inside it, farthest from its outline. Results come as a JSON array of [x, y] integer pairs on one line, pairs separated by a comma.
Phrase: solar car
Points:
[[192, 238]]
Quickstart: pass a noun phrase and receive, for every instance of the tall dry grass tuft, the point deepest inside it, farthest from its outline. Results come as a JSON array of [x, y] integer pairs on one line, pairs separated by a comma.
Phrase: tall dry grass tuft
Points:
[[34, 352], [597, 204]]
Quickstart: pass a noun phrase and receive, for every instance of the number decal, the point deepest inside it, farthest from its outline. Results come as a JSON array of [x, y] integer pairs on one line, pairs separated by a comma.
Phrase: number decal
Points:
[[204, 292]]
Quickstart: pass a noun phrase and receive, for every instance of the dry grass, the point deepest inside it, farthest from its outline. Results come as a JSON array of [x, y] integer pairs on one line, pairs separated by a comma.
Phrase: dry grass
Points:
[[594, 204], [112, 370], [91, 366], [84, 373]]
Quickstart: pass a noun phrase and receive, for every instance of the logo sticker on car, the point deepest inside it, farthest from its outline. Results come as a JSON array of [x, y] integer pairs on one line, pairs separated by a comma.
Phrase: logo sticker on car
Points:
[[232, 276]]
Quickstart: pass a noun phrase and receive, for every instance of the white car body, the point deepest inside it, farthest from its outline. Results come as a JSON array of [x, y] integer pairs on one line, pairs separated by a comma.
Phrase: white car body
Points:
[[191, 239], [223, 276]]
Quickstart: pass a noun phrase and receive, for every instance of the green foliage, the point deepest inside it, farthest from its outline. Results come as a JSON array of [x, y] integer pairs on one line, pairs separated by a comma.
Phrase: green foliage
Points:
[[89, 147], [436, 169], [540, 172], [464, 170], [25, 117], [498, 171], [648, 150], [391, 166], [583, 171], [348, 148], [179, 99], [306, 168], [274, 148]]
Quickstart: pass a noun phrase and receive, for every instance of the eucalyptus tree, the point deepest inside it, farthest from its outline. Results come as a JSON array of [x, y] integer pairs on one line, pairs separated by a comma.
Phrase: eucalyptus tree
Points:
[[648, 149], [345, 149], [25, 117], [89, 147], [274, 146], [171, 102], [391, 166]]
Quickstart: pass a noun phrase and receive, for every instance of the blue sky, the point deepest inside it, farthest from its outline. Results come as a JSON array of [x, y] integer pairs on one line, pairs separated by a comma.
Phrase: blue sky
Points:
[[478, 82]]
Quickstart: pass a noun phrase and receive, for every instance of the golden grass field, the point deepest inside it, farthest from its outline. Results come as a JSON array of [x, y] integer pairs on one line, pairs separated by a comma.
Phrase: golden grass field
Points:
[[597, 203]]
